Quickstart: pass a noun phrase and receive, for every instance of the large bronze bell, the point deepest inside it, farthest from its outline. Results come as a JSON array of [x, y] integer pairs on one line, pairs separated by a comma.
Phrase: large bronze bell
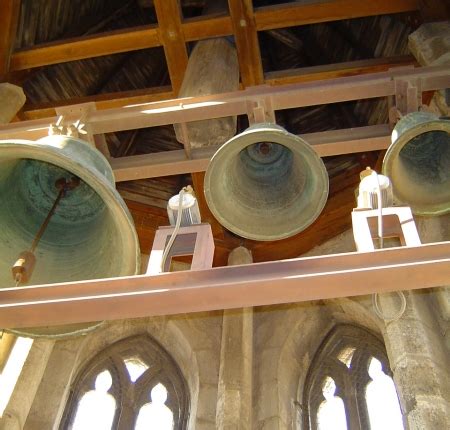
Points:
[[266, 184], [91, 233], [418, 163]]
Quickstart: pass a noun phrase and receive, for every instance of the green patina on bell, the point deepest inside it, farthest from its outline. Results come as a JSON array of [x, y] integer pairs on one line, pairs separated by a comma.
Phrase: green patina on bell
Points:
[[418, 163], [91, 233], [266, 184]]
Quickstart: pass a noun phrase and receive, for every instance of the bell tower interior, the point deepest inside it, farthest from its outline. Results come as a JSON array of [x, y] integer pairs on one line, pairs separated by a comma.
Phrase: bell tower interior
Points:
[[278, 299]]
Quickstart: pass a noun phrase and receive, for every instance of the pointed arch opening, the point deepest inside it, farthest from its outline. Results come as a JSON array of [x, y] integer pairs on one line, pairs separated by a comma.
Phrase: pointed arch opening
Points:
[[134, 383], [349, 384]]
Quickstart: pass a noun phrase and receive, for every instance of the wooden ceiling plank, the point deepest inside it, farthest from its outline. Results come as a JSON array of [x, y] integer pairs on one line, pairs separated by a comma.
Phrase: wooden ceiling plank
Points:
[[295, 14], [9, 17], [246, 38], [171, 35]]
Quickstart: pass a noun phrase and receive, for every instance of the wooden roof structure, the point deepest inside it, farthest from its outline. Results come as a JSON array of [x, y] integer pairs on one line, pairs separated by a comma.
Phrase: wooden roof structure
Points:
[[116, 54]]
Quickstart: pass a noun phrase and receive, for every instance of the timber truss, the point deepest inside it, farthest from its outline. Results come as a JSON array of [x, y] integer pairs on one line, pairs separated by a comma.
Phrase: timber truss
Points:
[[240, 20]]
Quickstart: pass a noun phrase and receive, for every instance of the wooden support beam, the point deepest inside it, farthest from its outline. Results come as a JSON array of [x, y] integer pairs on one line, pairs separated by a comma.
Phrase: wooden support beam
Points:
[[303, 13], [113, 42], [102, 101], [247, 44], [266, 18], [207, 27], [274, 282], [236, 103], [171, 35], [9, 16], [148, 95], [168, 163], [337, 70]]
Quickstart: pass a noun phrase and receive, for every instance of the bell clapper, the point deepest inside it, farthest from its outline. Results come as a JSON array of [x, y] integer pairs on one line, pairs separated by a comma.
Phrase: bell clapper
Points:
[[24, 265]]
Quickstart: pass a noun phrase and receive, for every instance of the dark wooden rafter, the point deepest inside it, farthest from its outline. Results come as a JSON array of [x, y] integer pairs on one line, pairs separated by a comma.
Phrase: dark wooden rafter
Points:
[[434, 10], [246, 38], [293, 14], [266, 18], [9, 16]]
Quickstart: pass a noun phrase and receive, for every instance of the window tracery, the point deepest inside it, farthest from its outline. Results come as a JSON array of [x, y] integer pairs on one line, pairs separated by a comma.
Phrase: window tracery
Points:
[[349, 385], [132, 384]]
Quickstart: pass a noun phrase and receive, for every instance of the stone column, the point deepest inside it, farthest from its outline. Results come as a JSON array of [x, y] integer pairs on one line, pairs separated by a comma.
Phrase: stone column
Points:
[[19, 405], [419, 362], [234, 406], [48, 406]]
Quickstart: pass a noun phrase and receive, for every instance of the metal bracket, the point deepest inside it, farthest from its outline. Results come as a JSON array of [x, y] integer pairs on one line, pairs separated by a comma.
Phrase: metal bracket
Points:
[[195, 240], [260, 111], [77, 118], [408, 98]]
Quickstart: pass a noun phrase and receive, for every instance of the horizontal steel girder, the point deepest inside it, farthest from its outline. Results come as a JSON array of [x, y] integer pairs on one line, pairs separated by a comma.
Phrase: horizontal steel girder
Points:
[[287, 281]]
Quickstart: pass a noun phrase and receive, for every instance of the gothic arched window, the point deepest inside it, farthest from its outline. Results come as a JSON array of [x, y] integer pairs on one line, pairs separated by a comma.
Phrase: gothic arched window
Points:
[[349, 384], [132, 384]]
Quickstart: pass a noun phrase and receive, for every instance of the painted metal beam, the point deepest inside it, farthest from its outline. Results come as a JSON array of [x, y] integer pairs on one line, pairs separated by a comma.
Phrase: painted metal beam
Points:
[[296, 280]]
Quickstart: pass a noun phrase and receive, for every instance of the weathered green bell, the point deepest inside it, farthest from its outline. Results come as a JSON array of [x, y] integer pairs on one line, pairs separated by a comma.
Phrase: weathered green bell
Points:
[[418, 163], [266, 184], [90, 233]]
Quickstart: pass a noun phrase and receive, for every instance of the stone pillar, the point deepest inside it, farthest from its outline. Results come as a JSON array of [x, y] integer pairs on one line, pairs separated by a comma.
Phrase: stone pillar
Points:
[[419, 362], [19, 405], [436, 229], [50, 399], [13, 98], [234, 406]]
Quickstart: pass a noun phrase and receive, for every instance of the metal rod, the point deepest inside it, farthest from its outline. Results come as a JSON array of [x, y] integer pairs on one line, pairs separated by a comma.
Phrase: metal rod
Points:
[[24, 265], [46, 221]]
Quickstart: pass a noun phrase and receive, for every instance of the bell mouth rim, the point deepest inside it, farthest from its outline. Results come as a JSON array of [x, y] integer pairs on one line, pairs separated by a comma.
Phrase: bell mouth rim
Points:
[[35, 332], [273, 134], [430, 125]]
